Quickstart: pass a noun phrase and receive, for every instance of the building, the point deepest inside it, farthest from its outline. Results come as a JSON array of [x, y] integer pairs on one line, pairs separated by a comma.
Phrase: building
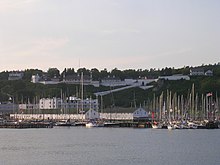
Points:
[[209, 73], [197, 72], [77, 103], [29, 106], [175, 77], [50, 103], [8, 108], [35, 78], [112, 82], [15, 75], [77, 79], [92, 115], [69, 103], [44, 80], [140, 113]]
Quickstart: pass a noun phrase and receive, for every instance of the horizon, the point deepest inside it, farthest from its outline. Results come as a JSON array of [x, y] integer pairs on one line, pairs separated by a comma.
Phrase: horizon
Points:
[[122, 34]]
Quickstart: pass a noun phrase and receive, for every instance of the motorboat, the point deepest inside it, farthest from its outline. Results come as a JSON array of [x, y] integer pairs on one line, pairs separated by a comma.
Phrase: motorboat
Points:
[[65, 123], [192, 125]]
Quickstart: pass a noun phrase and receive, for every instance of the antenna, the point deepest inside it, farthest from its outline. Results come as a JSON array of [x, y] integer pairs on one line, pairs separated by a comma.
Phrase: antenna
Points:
[[79, 62]]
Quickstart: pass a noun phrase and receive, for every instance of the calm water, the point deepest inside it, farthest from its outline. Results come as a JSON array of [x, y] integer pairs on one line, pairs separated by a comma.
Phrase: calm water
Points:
[[107, 146]]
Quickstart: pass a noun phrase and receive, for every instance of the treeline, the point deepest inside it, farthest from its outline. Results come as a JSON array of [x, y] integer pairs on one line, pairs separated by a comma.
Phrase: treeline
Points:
[[121, 74]]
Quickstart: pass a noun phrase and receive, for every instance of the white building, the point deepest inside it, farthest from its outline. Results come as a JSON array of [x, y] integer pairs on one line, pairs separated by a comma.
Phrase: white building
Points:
[[15, 75], [35, 78], [28, 107], [197, 72], [140, 113], [50, 103], [92, 115], [175, 77], [77, 103], [112, 82], [117, 82], [77, 79], [209, 73], [69, 103]]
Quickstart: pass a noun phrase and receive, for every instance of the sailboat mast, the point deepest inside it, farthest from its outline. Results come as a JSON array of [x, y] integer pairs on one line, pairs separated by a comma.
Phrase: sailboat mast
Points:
[[82, 108]]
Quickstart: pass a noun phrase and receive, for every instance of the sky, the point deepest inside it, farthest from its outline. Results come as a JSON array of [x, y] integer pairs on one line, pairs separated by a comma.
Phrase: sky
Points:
[[123, 34]]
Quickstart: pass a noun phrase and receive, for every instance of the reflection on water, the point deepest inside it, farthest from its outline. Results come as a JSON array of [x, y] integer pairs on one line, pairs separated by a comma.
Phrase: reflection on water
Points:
[[106, 146]]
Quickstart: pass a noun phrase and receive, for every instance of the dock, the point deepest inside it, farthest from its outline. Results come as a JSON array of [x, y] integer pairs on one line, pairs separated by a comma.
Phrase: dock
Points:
[[22, 125]]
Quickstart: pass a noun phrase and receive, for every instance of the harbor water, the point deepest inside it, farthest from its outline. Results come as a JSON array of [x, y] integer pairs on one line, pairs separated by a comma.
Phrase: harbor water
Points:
[[109, 146]]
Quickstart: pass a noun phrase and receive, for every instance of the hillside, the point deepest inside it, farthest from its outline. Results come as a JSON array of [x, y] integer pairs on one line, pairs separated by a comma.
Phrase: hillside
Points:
[[24, 91]]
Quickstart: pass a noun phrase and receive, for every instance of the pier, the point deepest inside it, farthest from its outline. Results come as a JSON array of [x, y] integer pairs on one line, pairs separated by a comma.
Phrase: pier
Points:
[[23, 125]]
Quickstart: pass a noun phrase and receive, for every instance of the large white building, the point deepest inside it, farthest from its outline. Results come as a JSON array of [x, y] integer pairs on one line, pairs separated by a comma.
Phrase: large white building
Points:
[[50, 103], [117, 82], [69, 103], [175, 77], [86, 104]]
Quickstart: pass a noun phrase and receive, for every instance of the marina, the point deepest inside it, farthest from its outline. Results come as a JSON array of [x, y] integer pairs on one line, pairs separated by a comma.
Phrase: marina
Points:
[[119, 123]]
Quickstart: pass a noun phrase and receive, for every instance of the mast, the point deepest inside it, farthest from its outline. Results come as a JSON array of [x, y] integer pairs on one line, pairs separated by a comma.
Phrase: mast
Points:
[[82, 108], [196, 107], [182, 107], [192, 114], [178, 108], [161, 106]]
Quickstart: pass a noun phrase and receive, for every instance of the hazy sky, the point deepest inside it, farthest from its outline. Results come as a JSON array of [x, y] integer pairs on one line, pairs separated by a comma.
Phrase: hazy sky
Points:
[[123, 34]]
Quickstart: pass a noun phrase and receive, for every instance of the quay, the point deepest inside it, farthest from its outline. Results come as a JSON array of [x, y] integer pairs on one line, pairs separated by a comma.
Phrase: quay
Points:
[[23, 125]]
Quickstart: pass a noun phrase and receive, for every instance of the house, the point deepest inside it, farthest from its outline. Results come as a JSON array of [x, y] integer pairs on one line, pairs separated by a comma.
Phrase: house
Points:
[[209, 73], [15, 75], [140, 113], [197, 72], [92, 115]]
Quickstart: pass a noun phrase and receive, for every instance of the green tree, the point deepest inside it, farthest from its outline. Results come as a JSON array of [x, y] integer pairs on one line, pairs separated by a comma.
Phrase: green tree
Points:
[[53, 72]]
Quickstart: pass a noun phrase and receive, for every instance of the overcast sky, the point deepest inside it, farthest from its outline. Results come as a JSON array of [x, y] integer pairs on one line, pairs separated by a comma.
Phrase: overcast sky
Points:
[[123, 34]]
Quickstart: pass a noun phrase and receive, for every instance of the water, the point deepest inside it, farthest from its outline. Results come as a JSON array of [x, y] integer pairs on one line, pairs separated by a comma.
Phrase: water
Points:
[[109, 146]]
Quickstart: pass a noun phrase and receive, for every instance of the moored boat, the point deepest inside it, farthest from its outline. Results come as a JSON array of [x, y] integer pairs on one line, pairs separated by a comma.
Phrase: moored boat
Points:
[[64, 123], [170, 127]]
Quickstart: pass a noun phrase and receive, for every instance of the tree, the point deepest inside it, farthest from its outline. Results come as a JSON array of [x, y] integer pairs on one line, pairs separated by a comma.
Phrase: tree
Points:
[[95, 74], [84, 70], [117, 73], [53, 72], [4, 75], [104, 73]]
